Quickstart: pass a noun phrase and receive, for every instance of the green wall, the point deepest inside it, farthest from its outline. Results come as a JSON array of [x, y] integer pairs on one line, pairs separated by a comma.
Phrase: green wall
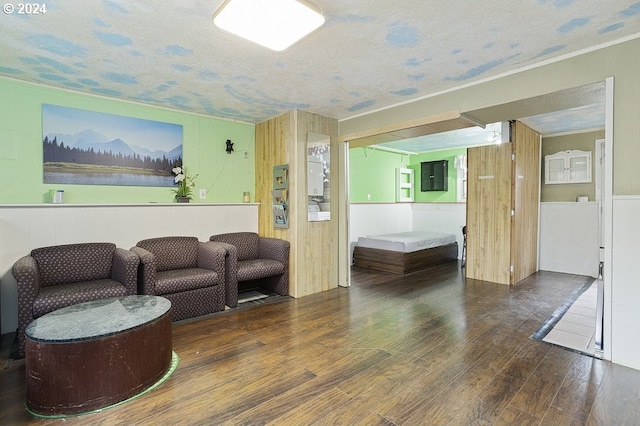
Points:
[[449, 196], [372, 172], [224, 176], [372, 175]]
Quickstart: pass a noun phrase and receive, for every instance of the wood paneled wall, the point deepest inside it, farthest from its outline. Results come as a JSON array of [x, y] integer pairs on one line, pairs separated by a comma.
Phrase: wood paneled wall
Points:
[[314, 245], [526, 200], [271, 150], [488, 213], [501, 247]]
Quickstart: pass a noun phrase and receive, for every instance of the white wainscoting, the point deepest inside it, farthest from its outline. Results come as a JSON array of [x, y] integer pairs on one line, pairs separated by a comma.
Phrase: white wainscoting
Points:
[[441, 217], [25, 227], [625, 282], [569, 238], [377, 218], [388, 218]]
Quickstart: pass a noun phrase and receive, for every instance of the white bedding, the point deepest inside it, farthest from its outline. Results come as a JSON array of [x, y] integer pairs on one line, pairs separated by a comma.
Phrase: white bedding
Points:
[[407, 242]]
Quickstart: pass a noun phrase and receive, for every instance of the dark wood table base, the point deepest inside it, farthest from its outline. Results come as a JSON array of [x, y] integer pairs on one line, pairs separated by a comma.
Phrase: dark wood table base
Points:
[[76, 377]]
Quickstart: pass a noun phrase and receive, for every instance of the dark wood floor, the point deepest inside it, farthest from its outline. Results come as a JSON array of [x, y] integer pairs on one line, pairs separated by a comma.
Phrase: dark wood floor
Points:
[[426, 348]]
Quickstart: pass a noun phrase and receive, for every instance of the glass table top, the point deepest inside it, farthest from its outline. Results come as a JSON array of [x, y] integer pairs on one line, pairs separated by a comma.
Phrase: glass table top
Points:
[[97, 318]]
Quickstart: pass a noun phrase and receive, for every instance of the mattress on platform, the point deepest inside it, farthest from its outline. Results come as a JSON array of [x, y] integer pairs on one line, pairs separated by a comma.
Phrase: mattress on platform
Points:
[[407, 242]]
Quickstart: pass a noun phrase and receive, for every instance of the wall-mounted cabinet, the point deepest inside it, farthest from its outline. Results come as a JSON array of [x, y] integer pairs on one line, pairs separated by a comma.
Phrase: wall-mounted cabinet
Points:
[[434, 176], [567, 167]]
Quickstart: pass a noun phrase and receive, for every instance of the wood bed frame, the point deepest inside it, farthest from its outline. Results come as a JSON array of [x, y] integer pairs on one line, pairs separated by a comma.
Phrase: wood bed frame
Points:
[[398, 262]]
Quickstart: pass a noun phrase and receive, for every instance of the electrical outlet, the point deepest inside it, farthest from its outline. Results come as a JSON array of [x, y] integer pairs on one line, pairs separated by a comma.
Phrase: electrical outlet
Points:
[[203, 194]]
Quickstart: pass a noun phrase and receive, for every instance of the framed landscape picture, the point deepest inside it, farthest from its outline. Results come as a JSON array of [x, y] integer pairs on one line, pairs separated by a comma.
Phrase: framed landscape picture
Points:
[[92, 148]]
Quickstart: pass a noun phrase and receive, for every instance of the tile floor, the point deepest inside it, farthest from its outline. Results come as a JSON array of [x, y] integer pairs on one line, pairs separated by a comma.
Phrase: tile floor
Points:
[[576, 328]]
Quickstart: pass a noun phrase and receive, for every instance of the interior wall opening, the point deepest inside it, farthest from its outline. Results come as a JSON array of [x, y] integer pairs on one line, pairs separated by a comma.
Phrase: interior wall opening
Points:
[[560, 114]]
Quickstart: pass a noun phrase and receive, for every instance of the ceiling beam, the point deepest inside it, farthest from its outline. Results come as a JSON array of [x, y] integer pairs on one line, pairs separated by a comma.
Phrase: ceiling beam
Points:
[[588, 94], [438, 123]]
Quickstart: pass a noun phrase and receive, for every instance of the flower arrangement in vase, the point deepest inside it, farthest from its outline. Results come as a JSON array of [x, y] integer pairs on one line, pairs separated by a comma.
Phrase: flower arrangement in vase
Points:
[[185, 184]]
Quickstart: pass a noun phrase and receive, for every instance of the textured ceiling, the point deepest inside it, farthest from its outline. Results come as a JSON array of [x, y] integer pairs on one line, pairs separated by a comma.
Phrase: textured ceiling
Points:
[[369, 55]]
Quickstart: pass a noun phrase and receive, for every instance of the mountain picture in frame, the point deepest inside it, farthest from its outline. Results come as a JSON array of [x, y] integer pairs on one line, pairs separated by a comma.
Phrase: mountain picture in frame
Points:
[[91, 148]]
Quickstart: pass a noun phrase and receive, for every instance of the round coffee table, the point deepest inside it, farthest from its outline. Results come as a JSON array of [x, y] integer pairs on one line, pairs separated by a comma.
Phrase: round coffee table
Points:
[[97, 354]]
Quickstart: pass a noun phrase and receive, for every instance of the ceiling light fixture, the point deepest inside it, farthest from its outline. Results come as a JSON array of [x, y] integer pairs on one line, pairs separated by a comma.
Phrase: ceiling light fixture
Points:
[[275, 24]]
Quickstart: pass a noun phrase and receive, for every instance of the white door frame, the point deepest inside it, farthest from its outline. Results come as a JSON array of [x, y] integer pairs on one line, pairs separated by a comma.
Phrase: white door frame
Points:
[[608, 216], [344, 258], [600, 162]]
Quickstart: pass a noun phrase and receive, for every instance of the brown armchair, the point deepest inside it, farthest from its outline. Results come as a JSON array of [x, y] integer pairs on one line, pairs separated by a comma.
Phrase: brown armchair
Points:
[[261, 259], [184, 270], [50, 278]]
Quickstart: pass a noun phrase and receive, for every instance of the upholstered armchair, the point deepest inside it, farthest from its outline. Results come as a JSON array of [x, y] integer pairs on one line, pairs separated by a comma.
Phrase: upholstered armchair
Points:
[[184, 270], [263, 260], [50, 278]]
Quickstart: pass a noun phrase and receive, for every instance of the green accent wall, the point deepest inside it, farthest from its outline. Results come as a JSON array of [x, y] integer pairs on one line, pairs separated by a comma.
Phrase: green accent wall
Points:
[[373, 172], [449, 196], [224, 176]]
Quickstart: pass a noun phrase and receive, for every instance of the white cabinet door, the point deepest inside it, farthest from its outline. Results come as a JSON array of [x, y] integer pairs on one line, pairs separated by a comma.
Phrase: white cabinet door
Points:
[[579, 168], [568, 167], [555, 171]]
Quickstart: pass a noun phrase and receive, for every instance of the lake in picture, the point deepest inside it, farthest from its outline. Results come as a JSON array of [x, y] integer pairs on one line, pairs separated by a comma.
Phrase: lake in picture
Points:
[[121, 179]]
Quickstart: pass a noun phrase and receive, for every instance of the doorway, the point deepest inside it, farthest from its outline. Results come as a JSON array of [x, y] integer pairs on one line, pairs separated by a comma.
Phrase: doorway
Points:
[[578, 323], [554, 102]]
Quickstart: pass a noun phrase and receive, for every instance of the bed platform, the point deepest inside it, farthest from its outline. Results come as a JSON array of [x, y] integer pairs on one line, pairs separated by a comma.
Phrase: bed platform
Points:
[[405, 252]]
